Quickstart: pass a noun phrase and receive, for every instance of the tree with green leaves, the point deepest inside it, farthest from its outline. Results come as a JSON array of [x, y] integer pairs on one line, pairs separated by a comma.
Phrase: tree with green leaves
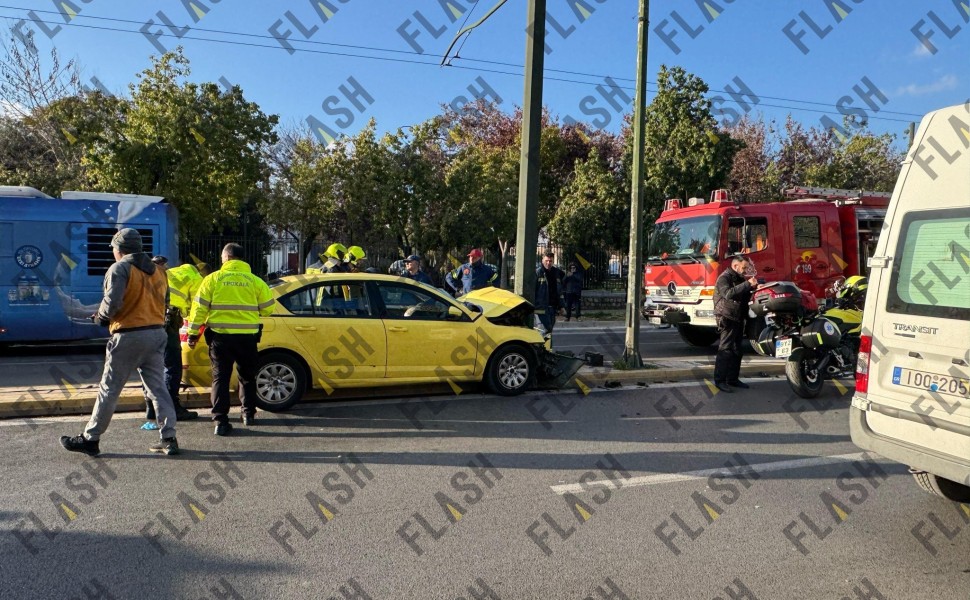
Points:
[[196, 144], [594, 211], [302, 202], [687, 154]]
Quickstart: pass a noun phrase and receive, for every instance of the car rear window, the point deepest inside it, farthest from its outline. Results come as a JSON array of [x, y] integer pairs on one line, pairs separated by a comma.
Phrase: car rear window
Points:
[[931, 266]]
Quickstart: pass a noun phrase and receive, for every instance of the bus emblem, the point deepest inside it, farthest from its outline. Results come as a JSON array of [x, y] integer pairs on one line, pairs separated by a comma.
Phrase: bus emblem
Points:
[[29, 257]]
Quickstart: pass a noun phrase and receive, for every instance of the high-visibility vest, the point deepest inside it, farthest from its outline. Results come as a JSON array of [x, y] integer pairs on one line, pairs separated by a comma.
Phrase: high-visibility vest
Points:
[[183, 285], [231, 300]]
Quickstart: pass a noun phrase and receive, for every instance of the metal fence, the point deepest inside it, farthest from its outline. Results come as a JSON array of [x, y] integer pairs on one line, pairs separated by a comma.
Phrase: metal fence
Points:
[[603, 269]]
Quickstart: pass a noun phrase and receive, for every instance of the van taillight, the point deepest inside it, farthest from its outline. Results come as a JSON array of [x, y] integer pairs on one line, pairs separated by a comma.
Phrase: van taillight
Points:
[[862, 364]]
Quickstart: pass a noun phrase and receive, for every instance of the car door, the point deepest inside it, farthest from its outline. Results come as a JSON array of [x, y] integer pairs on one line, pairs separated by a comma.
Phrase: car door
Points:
[[423, 341], [335, 329]]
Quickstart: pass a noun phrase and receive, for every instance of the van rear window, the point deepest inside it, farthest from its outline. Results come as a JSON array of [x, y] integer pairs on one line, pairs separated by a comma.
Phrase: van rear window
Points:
[[931, 267]]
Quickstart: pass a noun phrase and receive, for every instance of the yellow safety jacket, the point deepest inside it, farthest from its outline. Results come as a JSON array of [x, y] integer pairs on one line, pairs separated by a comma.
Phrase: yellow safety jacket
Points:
[[183, 285], [231, 300]]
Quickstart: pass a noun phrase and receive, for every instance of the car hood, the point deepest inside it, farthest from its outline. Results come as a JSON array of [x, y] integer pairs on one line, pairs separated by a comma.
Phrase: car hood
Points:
[[496, 302]]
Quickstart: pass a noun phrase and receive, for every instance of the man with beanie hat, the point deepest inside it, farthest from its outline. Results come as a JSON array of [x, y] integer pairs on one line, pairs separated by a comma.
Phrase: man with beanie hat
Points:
[[133, 309]]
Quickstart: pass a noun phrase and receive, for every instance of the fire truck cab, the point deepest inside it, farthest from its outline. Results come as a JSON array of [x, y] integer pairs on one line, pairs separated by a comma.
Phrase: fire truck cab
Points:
[[812, 237]]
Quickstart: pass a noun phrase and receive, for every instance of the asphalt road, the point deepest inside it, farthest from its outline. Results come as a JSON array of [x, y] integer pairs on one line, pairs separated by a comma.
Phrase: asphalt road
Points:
[[662, 492], [45, 366]]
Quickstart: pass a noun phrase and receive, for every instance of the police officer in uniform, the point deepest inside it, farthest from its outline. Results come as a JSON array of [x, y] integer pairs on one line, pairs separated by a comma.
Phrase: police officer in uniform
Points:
[[473, 275], [732, 291], [230, 303], [412, 270]]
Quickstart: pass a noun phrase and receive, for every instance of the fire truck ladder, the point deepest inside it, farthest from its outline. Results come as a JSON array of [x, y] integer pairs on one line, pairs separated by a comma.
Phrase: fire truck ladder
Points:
[[823, 193]]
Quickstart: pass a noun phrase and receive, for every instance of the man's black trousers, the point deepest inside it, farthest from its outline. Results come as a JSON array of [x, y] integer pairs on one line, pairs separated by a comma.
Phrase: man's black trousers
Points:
[[727, 364], [226, 349]]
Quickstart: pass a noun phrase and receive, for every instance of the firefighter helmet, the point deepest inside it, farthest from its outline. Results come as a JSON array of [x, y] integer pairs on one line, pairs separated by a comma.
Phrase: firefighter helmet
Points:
[[355, 253], [337, 251]]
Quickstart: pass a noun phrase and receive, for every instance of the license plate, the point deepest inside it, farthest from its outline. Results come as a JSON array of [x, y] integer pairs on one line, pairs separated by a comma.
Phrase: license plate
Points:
[[932, 382], [783, 348]]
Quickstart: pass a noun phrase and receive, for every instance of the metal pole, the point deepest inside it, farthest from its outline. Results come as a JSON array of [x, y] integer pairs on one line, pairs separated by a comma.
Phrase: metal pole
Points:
[[527, 230], [634, 296]]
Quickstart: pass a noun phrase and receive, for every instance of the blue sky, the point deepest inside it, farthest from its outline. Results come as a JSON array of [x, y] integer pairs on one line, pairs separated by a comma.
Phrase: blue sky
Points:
[[803, 58]]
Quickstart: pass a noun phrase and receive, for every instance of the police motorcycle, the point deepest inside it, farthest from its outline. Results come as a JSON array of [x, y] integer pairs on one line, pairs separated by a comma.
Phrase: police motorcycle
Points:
[[818, 343]]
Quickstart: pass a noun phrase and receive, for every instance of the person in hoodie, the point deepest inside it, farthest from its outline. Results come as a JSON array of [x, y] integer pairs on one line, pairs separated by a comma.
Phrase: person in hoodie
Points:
[[133, 309]]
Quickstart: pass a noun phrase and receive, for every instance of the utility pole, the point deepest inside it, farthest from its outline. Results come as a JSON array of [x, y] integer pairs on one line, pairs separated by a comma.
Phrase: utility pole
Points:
[[634, 296], [911, 134], [527, 233]]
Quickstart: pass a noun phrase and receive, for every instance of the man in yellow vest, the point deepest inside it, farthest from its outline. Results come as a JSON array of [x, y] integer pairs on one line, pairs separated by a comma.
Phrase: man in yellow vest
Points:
[[229, 303], [183, 284], [133, 309]]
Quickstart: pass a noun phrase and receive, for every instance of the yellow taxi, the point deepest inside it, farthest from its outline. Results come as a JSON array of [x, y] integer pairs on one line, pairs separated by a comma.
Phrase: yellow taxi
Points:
[[338, 330]]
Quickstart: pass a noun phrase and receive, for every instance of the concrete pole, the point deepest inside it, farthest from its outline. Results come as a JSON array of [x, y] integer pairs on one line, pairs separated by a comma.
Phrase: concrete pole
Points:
[[527, 230], [634, 291]]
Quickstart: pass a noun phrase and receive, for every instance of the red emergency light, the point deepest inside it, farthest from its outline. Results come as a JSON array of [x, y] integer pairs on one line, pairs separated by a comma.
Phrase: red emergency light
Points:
[[672, 204], [720, 196]]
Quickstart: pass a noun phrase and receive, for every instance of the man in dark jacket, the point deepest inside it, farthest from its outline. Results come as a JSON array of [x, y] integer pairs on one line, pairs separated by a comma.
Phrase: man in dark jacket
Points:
[[548, 296], [572, 291], [412, 266], [731, 295]]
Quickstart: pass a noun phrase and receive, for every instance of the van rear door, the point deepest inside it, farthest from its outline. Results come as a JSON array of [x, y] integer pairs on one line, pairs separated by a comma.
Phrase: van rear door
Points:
[[923, 364]]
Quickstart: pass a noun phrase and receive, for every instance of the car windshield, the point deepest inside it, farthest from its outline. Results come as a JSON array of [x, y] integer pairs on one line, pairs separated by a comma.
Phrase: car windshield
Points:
[[691, 238]]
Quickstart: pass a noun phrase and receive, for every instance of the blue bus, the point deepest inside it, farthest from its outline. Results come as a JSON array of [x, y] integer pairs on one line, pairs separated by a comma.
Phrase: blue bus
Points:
[[54, 253]]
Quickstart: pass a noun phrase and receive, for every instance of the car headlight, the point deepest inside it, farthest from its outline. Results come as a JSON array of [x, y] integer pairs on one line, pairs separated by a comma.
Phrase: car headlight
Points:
[[704, 313]]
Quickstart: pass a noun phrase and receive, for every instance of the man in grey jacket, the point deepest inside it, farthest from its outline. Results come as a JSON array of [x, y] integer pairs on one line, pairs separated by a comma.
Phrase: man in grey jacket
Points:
[[133, 309]]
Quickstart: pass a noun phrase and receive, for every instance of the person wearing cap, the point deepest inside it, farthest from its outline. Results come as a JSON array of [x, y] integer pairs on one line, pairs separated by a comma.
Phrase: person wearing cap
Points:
[[412, 270], [229, 303], [133, 309], [183, 284], [473, 275]]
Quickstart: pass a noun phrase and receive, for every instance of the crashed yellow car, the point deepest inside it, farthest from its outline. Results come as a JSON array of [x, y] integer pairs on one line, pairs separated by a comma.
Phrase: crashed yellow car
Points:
[[334, 331]]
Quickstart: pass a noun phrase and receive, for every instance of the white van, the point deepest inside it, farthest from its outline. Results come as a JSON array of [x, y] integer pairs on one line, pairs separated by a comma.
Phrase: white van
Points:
[[912, 398]]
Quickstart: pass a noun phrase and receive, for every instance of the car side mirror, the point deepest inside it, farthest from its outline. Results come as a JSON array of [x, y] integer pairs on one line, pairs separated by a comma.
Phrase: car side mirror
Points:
[[455, 314]]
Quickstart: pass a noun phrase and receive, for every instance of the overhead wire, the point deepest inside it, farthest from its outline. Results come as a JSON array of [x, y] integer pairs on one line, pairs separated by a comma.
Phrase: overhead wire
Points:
[[420, 62]]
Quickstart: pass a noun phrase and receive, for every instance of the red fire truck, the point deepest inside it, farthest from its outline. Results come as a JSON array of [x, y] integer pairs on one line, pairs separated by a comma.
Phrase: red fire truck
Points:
[[812, 237]]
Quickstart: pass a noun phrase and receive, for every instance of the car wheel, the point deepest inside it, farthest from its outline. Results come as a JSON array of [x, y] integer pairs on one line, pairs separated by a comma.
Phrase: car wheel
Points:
[[280, 381], [944, 488], [510, 371]]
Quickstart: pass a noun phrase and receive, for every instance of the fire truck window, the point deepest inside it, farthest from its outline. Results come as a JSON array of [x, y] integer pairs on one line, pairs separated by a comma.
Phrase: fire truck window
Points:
[[808, 232], [747, 235]]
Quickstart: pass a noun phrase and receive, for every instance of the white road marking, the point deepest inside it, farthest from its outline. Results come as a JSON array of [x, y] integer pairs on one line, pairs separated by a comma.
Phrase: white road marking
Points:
[[660, 478]]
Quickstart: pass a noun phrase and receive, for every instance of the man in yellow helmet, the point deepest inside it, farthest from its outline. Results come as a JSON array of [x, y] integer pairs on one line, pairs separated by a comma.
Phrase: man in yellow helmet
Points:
[[354, 259], [230, 303], [331, 261]]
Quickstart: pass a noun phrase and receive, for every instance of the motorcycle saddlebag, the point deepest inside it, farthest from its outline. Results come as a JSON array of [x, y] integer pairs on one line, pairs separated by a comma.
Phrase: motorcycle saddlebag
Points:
[[776, 297], [821, 334]]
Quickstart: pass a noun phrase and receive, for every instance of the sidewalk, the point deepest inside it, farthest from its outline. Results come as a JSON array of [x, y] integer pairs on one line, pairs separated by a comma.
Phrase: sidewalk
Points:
[[71, 400]]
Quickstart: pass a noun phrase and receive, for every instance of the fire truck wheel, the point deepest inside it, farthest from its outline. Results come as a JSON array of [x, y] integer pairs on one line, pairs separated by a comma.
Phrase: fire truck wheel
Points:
[[697, 336]]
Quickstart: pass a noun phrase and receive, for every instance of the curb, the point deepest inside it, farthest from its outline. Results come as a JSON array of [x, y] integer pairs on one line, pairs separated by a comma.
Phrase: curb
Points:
[[57, 402]]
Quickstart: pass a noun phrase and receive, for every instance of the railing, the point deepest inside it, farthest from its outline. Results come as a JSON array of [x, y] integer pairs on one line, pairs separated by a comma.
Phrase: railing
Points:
[[603, 269]]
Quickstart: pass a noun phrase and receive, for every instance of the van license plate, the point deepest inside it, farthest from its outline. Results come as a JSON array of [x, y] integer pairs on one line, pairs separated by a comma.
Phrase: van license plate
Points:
[[933, 382], [783, 348]]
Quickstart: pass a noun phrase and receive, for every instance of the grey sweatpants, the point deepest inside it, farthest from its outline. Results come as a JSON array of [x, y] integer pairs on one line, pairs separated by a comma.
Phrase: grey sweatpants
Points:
[[143, 350]]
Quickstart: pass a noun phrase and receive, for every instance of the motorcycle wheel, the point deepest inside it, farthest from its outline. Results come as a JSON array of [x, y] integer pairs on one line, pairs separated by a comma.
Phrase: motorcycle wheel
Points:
[[801, 374]]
